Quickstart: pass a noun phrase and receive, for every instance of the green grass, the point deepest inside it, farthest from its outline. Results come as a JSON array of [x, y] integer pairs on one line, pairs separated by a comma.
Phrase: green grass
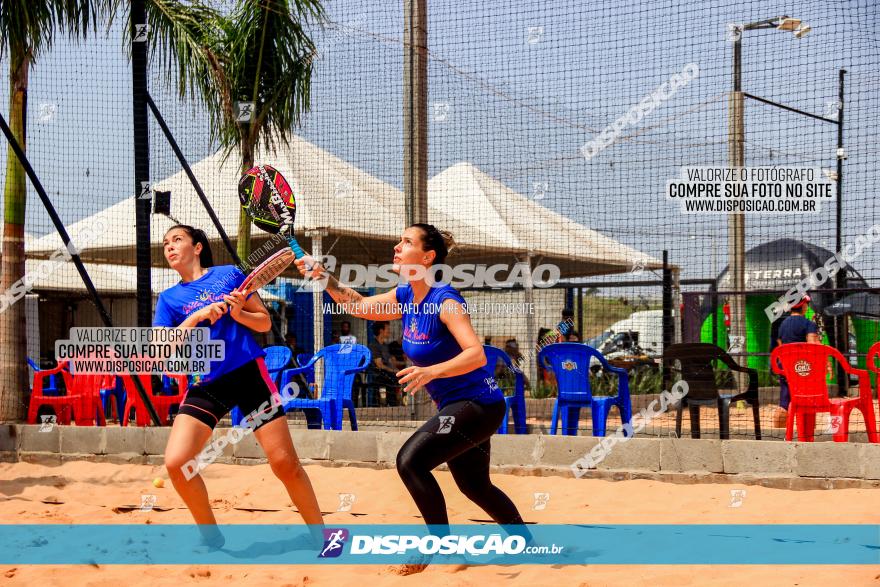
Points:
[[601, 312]]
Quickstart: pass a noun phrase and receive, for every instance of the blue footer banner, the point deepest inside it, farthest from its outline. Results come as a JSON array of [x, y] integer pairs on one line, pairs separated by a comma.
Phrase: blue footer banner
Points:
[[568, 544]]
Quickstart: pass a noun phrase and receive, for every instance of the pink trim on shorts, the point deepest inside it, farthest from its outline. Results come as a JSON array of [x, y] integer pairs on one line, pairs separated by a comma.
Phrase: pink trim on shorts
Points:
[[261, 363], [202, 409], [267, 379]]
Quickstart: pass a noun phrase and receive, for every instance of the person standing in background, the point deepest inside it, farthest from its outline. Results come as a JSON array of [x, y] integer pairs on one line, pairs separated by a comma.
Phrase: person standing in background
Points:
[[795, 328]]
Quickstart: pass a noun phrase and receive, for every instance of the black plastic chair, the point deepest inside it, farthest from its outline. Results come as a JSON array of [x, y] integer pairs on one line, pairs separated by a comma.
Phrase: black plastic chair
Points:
[[697, 368]]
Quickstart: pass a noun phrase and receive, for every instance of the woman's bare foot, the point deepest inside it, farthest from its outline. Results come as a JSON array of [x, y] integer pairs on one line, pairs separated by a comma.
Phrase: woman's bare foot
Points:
[[406, 569], [212, 539], [414, 565]]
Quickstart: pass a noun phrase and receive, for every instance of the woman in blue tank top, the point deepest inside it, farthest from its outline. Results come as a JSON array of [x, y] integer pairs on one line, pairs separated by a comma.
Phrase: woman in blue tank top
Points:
[[207, 295], [449, 362]]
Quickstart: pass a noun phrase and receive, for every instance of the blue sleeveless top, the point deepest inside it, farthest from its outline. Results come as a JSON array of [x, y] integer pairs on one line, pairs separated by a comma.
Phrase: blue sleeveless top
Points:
[[179, 301], [427, 341]]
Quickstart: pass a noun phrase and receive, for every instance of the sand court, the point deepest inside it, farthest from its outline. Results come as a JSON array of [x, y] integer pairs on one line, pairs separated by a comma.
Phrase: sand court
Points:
[[80, 492]]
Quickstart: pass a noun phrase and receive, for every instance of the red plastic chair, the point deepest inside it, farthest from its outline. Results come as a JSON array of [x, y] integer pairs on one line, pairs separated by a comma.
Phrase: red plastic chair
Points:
[[63, 405], [804, 366], [162, 403], [88, 409]]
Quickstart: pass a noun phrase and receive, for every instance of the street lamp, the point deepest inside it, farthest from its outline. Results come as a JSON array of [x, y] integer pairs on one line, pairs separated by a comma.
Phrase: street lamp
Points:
[[736, 225], [736, 222]]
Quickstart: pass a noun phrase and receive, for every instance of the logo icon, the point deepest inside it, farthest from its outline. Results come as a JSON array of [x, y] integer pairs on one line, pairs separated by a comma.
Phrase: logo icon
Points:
[[736, 344], [834, 424], [47, 422], [334, 540], [343, 189], [539, 189], [541, 500], [446, 423], [832, 109], [638, 266], [147, 502], [146, 193], [736, 497], [244, 111], [441, 111], [47, 111], [535, 34], [140, 33], [346, 500], [569, 365], [803, 368]]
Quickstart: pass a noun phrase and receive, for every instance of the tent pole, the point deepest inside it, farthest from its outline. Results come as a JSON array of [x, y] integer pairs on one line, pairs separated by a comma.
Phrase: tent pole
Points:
[[531, 333], [317, 308]]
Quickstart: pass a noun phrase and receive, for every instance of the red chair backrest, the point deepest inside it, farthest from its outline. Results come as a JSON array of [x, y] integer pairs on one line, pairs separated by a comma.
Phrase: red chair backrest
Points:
[[804, 367], [147, 381], [91, 382], [873, 356]]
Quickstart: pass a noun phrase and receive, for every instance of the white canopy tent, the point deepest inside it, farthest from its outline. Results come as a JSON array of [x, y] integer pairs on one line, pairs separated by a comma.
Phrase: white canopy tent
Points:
[[361, 217]]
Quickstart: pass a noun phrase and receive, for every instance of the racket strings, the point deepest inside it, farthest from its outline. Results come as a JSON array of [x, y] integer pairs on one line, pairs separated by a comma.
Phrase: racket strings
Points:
[[268, 270]]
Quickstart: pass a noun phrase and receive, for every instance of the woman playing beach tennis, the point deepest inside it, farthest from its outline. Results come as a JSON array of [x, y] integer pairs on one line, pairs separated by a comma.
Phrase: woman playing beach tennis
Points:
[[207, 296], [448, 360]]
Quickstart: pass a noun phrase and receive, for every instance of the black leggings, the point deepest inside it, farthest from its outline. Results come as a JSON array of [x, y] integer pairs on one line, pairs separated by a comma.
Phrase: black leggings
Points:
[[462, 443]]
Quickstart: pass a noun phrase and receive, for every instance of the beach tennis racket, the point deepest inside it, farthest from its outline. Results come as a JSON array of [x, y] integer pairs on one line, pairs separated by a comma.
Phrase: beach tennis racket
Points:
[[270, 203]]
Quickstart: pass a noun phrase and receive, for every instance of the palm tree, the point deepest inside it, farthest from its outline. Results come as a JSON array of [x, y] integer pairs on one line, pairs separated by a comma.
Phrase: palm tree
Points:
[[27, 29], [260, 54]]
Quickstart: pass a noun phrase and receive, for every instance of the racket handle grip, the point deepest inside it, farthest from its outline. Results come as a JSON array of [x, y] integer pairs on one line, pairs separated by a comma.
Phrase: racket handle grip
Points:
[[297, 250]]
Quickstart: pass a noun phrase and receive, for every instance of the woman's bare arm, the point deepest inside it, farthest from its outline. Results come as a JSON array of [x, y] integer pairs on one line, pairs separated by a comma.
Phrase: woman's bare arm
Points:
[[383, 306]]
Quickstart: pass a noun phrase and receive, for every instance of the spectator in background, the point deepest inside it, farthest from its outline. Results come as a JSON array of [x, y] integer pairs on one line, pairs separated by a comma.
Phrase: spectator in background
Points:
[[346, 337], [382, 370], [334, 337], [398, 358], [511, 347], [795, 328], [574, 336], [566, 326]]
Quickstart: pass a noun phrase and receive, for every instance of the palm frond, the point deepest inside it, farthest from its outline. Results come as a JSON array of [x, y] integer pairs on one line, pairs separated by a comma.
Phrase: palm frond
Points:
[[29, 27]]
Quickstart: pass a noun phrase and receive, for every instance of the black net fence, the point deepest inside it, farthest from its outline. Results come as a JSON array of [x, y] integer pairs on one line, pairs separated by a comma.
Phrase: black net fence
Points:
[[552, 131]]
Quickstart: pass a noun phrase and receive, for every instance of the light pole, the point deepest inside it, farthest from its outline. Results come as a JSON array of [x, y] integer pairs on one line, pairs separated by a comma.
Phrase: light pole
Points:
[[736, 223]]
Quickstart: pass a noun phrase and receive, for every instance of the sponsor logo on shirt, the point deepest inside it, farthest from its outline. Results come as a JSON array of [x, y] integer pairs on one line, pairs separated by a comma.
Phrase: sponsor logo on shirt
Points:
[[205, 298], [411, 333]]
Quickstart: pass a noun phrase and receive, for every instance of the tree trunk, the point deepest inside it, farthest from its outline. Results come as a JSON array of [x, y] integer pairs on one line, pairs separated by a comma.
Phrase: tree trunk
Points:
[[13, 331], [243, 246]]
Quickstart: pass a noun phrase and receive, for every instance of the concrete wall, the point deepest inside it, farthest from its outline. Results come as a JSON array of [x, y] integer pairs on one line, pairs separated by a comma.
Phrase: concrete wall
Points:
[[776, 464]]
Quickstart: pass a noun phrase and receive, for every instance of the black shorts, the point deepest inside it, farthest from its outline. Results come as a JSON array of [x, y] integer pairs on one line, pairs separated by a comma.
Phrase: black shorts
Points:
[[247, 387]]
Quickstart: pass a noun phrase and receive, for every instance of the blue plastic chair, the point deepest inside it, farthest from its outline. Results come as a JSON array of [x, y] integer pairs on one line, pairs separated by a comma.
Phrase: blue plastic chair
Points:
[[277, 358], [50, 387], [303, 359], [516, 402], [341, 363], [116, 392], [570, 363]]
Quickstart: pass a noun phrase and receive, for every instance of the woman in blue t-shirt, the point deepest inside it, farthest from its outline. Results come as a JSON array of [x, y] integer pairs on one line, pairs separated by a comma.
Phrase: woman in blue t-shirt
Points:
[[449, 361], [207, 296]]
